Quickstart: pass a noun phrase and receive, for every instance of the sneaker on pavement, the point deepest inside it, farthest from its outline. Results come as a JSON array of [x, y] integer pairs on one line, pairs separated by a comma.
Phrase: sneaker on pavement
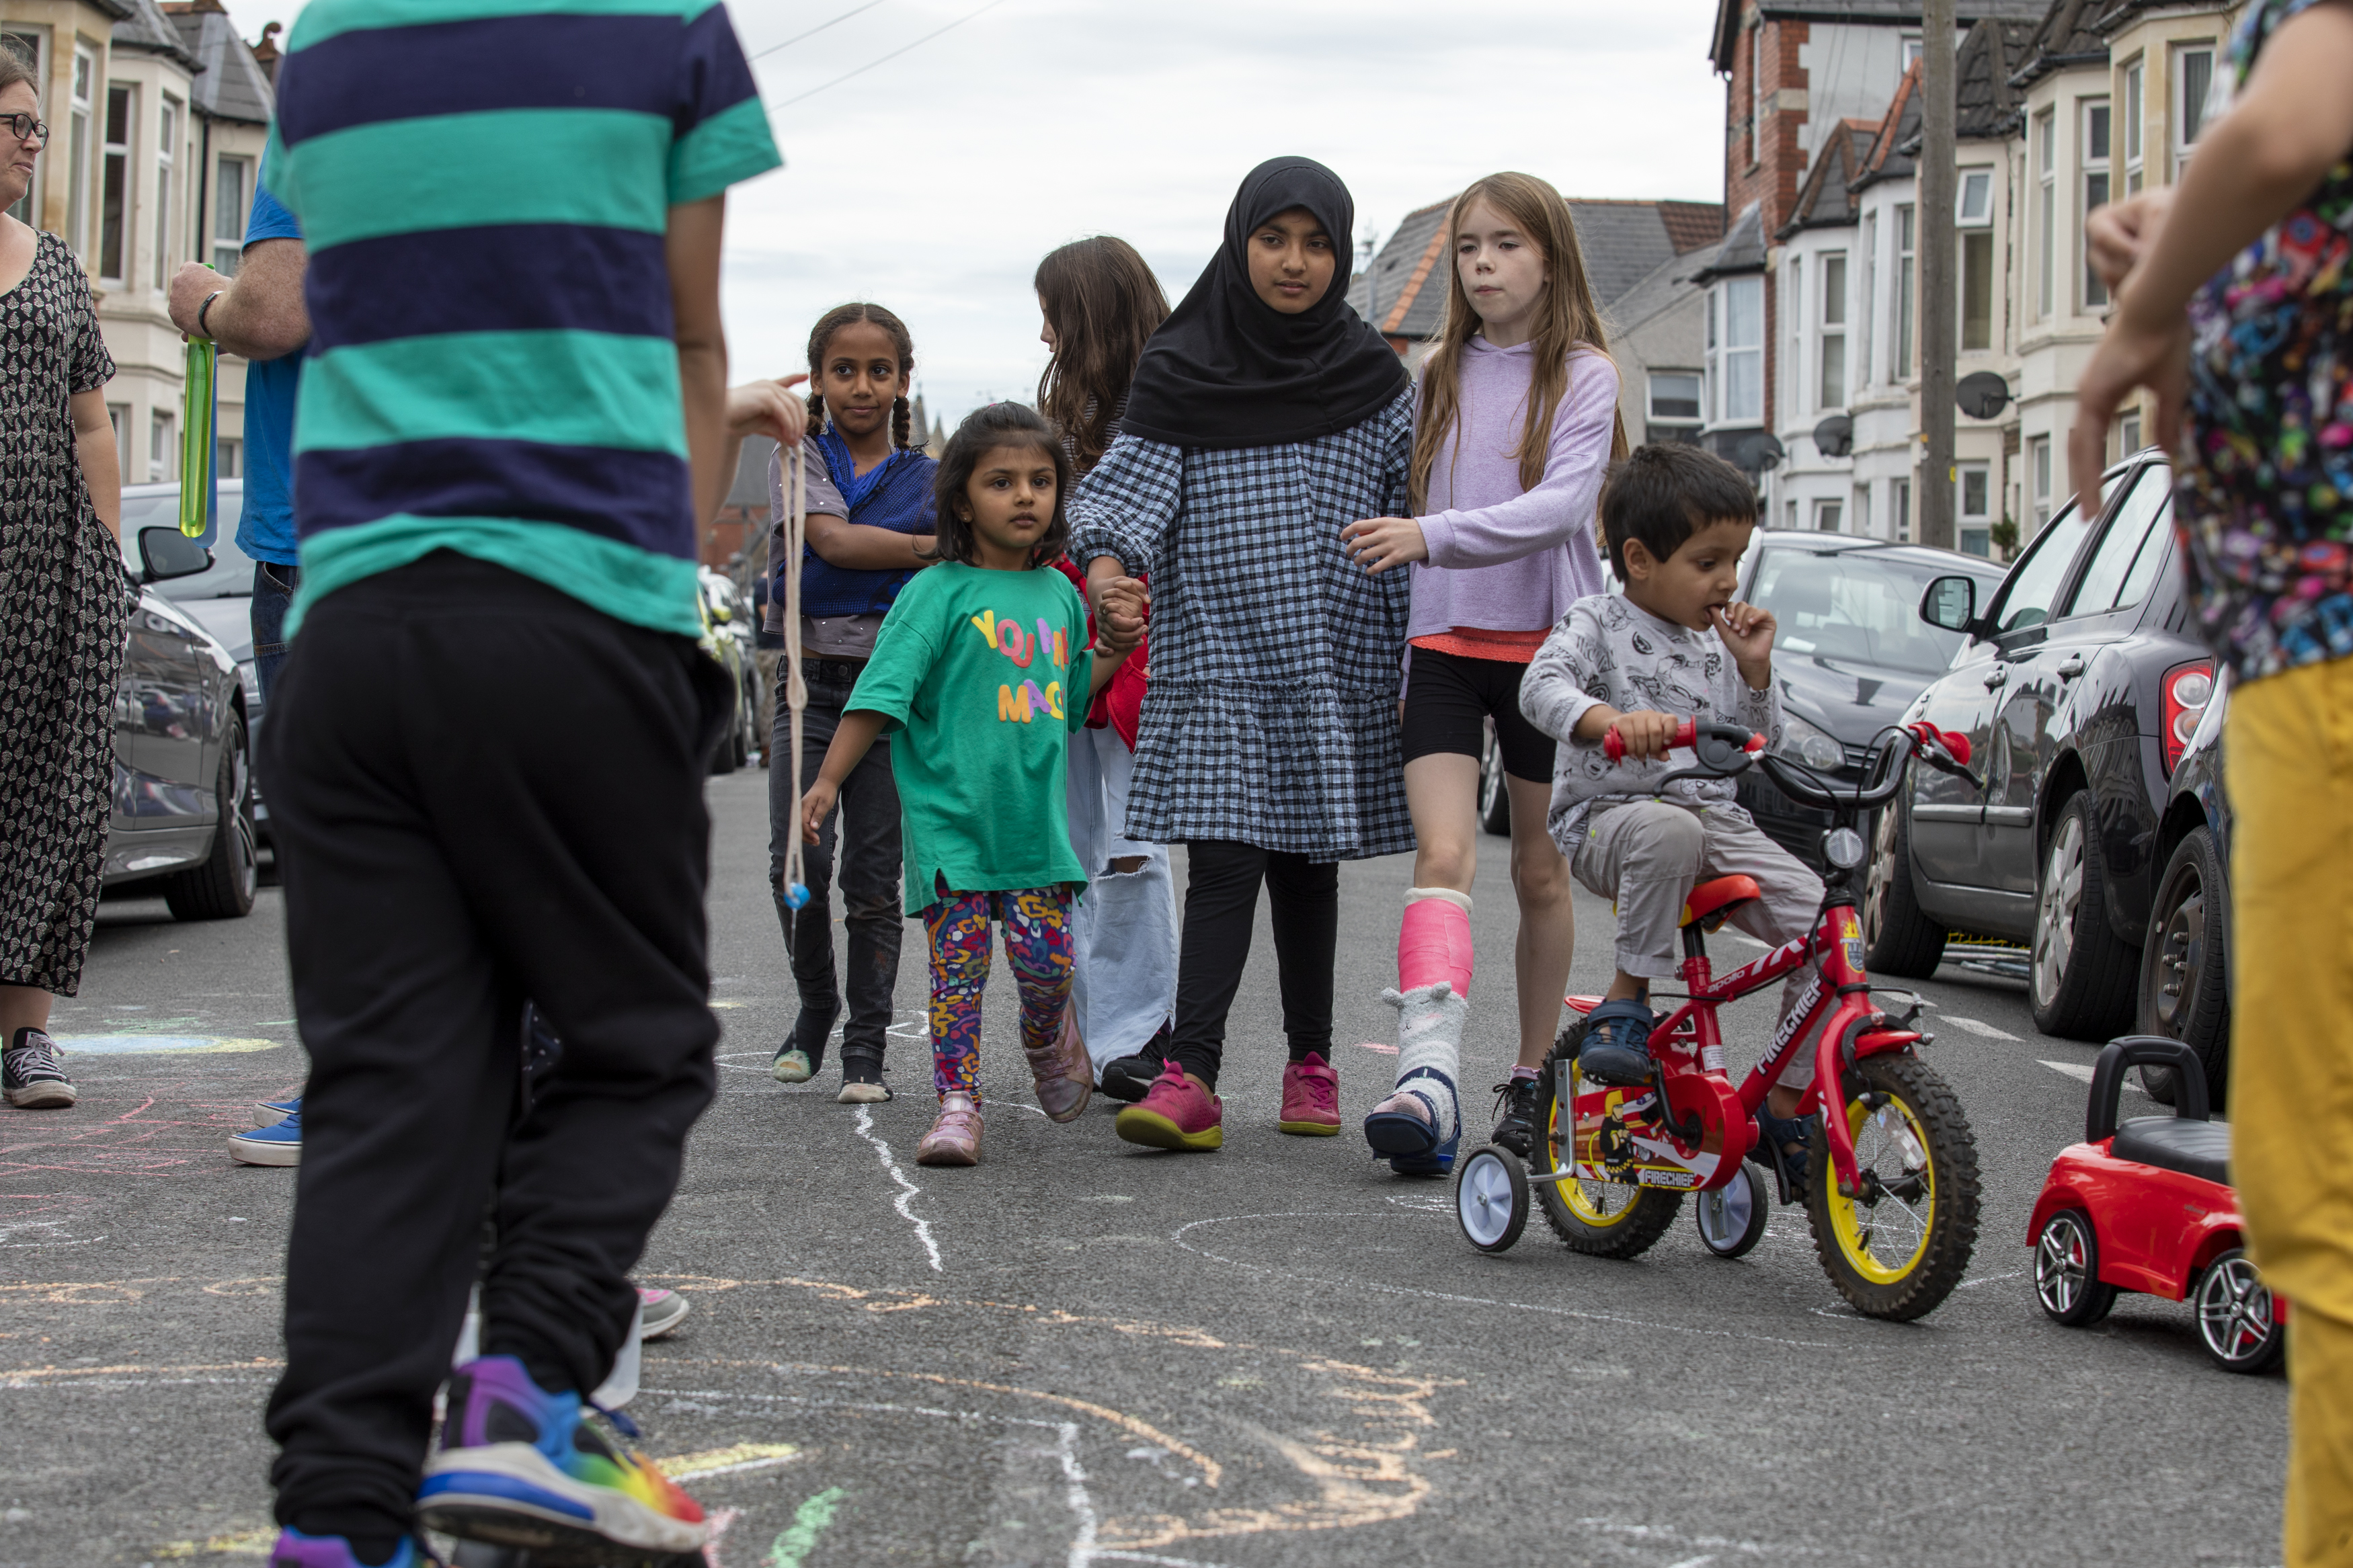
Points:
[[278, 1145], [269, 1113], [1515, 1108], [1310, 1097], [861, 1082], [1064, 1078], [296, 1549], [660, 1312], [521, 1467], [954, 1137], [33, 1072], [1130, 1079], [1176, 1113]]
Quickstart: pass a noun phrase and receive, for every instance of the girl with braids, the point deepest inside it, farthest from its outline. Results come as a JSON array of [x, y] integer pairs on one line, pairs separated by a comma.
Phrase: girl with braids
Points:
[[1513, 425], [870, 529], [1101, 304]]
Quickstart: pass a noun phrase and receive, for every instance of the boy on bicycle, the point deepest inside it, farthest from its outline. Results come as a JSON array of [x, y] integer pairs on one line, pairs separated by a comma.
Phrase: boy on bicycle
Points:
[[1677, 644]]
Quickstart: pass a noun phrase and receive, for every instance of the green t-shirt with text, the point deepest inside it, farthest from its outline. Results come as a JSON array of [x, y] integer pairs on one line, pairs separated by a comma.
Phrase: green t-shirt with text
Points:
[[983, 676]]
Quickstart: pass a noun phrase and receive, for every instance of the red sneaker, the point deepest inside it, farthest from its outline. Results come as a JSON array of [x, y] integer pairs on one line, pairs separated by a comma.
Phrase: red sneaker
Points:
[[1175, 1114], [1310, 1097]]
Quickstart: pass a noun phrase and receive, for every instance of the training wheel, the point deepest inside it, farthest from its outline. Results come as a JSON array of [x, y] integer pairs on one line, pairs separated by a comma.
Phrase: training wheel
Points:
[[1731, 1217], [1491, 1198], [796, 895]]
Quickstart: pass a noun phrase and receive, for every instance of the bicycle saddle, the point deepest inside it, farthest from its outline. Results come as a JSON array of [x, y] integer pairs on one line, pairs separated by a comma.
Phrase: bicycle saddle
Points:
[[1710, 902]]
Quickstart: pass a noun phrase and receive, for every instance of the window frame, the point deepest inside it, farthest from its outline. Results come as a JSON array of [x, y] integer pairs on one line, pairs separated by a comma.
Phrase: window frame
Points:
[[2038, 478], [2094, 183], [2135, 125], [162, 447], [81, 116], [1907, 263], [2179, 95], [118, 170], [230, 214], [1730, 362], [1982, 176], [1832, 508], [1650, 410], [1976, 269], [1832, 311], [1979, 523], [2045, 128], [169, 113]]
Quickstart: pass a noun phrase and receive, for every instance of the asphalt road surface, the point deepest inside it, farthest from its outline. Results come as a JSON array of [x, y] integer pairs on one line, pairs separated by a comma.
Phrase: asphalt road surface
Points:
[[1082, 1351]]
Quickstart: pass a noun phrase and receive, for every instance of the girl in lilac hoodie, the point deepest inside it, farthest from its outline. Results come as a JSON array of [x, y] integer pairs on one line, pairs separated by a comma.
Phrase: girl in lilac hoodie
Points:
[[1515, 422]]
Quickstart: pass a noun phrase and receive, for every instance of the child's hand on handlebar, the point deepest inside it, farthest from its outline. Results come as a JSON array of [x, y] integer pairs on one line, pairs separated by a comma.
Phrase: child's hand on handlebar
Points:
[[1645, 734]]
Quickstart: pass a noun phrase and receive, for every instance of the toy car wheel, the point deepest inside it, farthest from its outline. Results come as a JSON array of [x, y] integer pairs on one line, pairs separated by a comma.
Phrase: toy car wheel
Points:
[[2235, 1316], [1731, 1217], [1491, 1198], [2067, 1271]]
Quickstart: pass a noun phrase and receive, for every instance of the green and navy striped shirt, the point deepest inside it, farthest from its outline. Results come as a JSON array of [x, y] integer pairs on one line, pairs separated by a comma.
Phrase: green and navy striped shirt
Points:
[[484, 185]]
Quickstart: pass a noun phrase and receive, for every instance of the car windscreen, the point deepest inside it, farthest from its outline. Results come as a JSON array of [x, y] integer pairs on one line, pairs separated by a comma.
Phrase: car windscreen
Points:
[[1860, 607], [230, 576]]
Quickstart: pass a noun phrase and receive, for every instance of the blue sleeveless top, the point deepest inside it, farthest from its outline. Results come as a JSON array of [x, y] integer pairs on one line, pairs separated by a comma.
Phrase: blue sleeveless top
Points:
[[896, 494]]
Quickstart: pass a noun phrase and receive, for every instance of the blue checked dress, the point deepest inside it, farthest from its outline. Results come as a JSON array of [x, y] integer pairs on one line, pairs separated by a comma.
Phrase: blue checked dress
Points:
[[1271, 716]]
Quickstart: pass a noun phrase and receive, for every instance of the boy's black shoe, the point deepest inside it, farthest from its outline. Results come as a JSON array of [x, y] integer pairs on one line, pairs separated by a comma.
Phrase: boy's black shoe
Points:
[[861, 1079], [1129, 1079], [1617, 1040], [1515, 1104]]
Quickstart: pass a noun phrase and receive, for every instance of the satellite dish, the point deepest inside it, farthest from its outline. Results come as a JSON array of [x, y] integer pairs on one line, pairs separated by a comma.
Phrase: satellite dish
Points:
[[1981, 395], [1834, 436], [1757, 452]]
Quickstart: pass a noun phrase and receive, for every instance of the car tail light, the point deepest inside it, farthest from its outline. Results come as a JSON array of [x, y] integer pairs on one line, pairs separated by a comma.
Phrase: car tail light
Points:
[[2189, 687]]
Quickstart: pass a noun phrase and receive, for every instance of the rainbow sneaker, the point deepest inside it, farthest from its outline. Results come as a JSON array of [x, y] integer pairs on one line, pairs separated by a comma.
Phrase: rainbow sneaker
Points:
[[296, 1549], [521, 1467]]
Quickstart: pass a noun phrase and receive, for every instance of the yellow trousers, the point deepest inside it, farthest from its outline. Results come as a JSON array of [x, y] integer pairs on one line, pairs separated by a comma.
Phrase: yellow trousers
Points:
[[2290, 761]]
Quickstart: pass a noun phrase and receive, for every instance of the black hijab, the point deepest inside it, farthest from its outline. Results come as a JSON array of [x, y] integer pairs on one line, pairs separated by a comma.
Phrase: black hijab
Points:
[[1227, 369]]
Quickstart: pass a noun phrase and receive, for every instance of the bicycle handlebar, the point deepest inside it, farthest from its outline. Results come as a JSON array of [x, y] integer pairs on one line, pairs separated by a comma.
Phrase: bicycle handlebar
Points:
[[1725, 751]]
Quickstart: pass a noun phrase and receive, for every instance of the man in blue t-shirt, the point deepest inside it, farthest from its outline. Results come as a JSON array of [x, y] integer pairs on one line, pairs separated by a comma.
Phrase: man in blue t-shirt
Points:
[[258, 313]]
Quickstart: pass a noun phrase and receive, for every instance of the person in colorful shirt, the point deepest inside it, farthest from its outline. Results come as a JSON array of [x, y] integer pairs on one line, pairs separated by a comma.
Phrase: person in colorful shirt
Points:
[[512, 421], [2234, 303], [982, 669]]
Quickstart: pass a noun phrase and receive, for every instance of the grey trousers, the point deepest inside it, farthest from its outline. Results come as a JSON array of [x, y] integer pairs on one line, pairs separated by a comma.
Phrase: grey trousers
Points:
[[1648, 853]]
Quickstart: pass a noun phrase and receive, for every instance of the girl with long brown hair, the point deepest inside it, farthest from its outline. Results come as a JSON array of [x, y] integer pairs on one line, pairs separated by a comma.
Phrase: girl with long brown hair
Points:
[[1515, 423], [1101, 304]]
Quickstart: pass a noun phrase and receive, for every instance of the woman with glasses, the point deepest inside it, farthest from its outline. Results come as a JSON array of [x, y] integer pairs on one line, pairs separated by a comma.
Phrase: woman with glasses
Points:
[[62, 603]]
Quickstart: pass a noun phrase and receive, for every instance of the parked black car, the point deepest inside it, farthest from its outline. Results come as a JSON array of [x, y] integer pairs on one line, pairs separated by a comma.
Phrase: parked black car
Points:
[[2080, 687], [183, 806], [1851, 654], [2184, 960]]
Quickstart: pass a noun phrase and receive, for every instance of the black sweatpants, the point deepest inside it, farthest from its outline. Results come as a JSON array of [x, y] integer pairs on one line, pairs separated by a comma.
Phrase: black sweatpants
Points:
[[486, 791], [1221, 886]]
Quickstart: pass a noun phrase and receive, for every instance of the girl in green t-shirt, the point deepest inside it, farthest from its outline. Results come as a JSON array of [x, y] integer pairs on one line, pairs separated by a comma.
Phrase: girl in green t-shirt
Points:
[[982, 665]]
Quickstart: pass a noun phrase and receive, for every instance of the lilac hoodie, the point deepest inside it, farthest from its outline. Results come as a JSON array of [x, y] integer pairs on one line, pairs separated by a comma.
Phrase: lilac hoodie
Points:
[[1501, 558]]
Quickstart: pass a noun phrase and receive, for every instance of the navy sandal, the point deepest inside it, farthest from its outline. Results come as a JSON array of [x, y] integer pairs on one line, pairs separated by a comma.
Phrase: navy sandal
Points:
[[1617, 1040], [1410, 1142]]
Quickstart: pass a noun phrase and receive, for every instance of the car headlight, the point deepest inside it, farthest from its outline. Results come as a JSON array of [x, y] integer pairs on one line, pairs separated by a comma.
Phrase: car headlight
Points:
[[1811, 745]]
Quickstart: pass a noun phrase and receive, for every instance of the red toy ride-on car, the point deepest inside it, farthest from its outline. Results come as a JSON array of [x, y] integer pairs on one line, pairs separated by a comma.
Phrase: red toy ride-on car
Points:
[[2148, 1206]]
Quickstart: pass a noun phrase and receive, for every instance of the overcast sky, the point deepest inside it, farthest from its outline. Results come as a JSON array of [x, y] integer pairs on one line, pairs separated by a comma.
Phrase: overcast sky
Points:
[[933, 182]]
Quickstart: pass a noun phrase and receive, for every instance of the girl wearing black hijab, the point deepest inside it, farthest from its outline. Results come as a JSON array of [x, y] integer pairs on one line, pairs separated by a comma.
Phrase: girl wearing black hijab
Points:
[[1266, 417]]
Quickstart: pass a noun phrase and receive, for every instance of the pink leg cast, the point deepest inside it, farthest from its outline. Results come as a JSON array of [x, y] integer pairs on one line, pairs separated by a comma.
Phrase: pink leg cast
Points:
[[1434, 941]]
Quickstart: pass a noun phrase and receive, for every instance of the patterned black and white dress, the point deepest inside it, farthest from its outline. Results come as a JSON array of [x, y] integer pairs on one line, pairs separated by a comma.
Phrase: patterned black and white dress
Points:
[[1271, 714], [62, 606]]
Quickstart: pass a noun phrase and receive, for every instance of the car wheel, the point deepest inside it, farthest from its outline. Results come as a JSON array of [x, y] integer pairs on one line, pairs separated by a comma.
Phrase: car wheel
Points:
[[2236, 1320], [2080, 976], [1898, 939], [2067, 1271], [222, 886], [1495, 800], [2184, 991]]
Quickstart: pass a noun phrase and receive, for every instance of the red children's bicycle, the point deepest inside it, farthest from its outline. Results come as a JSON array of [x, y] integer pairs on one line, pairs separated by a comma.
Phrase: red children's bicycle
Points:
[[1890, 1184]]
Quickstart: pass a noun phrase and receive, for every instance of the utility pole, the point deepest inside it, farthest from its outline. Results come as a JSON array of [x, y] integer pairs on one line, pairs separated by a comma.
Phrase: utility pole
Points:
[[1938, 302]]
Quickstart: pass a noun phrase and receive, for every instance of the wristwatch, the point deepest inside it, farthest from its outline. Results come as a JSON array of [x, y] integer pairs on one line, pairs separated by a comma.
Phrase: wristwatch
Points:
[[204, 330]]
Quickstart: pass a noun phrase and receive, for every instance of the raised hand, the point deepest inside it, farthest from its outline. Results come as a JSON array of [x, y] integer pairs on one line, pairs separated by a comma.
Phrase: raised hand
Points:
[[1747, 632], [768, 409]]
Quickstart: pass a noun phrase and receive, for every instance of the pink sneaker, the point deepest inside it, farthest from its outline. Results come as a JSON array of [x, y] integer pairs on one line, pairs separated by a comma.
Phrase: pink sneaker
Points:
[[1175, 1114], [1310, 1097], [663, 1311], [954, 1137]]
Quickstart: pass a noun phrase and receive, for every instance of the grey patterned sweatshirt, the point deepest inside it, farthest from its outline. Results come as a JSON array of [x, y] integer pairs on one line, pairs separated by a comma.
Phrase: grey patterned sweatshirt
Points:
[[1608, 649]]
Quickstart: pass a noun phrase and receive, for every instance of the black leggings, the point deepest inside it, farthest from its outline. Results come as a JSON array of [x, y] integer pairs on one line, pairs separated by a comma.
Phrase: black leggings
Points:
[[1220, 910]]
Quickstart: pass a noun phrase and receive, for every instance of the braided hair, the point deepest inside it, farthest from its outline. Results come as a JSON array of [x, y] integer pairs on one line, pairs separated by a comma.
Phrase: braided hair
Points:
[[821, 337]]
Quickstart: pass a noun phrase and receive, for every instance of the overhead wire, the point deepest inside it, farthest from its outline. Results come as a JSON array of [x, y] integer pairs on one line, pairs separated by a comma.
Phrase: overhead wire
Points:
[[885, 59], [813, 32]]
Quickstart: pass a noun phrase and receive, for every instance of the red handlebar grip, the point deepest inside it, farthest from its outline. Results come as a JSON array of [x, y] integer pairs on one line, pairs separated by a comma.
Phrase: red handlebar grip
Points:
[[1686, 735], [1955, 743]]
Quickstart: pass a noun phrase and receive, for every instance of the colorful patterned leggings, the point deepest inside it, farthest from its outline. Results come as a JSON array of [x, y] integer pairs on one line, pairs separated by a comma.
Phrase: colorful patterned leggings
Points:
[[1037, 923]]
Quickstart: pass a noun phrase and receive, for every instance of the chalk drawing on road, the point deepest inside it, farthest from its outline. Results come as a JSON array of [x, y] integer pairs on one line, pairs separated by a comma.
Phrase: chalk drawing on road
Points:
[[908, 1191], [1178, 1235], [158, 1045]]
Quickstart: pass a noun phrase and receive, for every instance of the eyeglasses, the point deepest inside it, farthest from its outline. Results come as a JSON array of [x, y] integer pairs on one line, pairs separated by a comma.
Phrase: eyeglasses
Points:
[[24, 128]]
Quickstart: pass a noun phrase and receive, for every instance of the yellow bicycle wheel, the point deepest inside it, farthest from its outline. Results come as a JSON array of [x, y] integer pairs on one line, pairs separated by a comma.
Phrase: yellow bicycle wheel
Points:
[[1602, 1219], [1897, 1246]]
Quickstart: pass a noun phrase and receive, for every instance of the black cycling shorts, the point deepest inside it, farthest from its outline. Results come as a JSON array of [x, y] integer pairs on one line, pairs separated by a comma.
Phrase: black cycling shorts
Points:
[[1445, 698]]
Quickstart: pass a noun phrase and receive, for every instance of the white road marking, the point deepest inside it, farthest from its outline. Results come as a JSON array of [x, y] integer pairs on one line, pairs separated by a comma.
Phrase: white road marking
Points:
[[1750, 942], [2082, 1073], [908, 1191], [1976, 1027]]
